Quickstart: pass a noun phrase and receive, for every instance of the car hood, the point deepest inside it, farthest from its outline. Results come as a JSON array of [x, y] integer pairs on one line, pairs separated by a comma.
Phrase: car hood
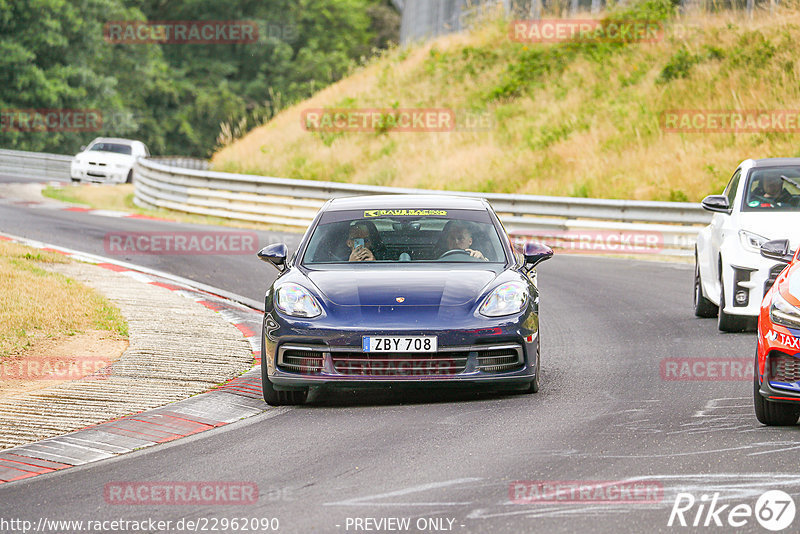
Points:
[[784, 225], [394, 287], [109, 158]]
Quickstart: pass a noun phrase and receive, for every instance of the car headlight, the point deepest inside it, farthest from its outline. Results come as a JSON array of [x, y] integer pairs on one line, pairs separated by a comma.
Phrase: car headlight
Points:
[[120, 166], [783, 313], [296, 301], [751, 241], [506, 299]]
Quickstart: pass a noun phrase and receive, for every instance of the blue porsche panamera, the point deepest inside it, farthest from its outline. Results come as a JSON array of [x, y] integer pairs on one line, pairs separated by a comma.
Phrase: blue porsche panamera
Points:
[[401, 290]]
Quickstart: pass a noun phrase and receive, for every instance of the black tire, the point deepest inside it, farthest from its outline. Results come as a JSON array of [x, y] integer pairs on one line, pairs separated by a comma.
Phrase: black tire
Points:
[[772, 413], [129, 179], [275, 397], [702, 306], [725, 321], [534, 385], [75, 180]]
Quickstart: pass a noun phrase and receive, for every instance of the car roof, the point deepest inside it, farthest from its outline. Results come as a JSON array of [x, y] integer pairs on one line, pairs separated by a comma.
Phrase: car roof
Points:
[[114, 140], [407, 201], [772, 162]]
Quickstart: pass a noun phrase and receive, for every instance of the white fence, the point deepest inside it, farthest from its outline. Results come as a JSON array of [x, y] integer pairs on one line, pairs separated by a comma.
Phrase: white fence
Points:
[[580, 224]]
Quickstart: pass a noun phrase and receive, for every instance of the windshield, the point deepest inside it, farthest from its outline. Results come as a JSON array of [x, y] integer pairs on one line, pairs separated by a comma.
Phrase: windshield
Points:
[[407, 235], [117, 148], [773, 189]]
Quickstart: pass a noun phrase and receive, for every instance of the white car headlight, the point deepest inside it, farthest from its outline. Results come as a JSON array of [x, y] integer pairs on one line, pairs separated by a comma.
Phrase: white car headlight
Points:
[[783, 313], [506, 299], [751, 241], [296, 301], [120, 166]]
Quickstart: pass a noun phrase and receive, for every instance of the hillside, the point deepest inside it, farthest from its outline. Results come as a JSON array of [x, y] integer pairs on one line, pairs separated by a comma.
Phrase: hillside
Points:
[[571, 119]]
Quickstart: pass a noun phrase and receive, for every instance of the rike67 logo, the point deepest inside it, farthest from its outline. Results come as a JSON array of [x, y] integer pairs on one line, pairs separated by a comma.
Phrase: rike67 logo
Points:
[[774, 510]]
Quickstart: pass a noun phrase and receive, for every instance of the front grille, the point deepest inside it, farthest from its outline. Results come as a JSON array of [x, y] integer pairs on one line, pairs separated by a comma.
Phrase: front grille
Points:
[[311, 360], [401, 364], [774, 273], [500, 359], [784, 368], [306, 361]]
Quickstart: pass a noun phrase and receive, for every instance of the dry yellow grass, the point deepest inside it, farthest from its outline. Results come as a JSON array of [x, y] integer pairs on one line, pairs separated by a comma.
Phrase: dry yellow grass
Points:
[[36, 304], [591, 128], [98, 196]]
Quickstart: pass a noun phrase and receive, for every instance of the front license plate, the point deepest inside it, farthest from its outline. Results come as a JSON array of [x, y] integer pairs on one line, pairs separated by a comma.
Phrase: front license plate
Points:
[[399, 343]]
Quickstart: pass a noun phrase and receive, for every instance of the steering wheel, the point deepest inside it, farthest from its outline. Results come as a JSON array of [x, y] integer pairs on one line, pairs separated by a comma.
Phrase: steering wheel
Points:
[[454, 252]]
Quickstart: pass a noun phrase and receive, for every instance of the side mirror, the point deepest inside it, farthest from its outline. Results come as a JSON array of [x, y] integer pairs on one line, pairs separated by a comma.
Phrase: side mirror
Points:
[[83, 147], [274, 254], [536, 253], [778, 250], [717, 203]]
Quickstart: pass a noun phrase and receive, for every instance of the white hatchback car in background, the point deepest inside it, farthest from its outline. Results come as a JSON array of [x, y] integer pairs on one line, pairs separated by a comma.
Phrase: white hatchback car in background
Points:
[[107, 159], [760, 203]]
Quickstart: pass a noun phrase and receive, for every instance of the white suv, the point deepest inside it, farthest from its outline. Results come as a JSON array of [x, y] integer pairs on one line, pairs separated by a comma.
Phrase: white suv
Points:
[[107, 159], [760, 203]]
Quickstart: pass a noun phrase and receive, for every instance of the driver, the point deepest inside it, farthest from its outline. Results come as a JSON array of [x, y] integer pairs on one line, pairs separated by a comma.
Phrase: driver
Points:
[[459, 237], [772, 192]]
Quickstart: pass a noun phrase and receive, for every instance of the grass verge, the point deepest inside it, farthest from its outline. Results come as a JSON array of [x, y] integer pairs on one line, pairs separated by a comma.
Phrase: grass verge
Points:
[[36, 304]]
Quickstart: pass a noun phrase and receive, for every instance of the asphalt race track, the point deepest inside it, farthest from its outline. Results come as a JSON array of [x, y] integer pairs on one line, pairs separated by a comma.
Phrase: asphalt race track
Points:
[[443, 460]]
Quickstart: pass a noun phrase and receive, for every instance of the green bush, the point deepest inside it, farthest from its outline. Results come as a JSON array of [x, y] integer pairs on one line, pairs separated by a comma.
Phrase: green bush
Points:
[[678, 66]]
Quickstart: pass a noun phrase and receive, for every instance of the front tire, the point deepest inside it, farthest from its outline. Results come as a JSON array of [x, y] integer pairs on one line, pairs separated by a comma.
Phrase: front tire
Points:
[[275, 397], [129, 179], [772, 413], [702, 306], [534, 385]]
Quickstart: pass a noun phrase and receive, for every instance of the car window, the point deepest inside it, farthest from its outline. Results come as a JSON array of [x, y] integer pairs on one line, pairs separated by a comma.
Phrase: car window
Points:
[[408, 235], [117, 148], [732, 187], [773, 189]]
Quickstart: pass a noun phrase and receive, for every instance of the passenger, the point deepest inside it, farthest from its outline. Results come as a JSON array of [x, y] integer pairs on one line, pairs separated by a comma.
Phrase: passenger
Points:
[[360, 243]]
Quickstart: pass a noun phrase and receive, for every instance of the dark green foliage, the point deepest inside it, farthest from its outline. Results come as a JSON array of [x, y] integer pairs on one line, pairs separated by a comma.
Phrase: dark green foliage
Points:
[[678, 66], [174, 97]]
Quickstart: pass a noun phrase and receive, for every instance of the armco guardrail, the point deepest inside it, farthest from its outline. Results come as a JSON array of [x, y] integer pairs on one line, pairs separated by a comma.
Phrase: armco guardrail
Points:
[[34, 164], [666, 227]]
